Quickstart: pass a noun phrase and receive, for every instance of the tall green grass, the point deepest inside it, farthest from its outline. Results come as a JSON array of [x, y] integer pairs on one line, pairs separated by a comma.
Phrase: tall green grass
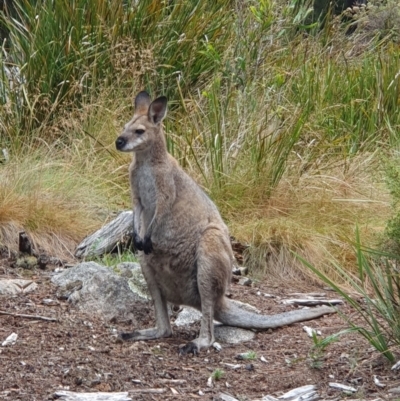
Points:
[[377, 283], [282, 121]]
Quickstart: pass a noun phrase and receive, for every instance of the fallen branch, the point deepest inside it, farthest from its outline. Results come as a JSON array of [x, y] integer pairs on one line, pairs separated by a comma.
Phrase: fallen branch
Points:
[[47, 319], [71, 396]]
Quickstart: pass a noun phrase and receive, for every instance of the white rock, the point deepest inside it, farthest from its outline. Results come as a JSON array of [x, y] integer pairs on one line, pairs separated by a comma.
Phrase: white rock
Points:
[[210, 382], [396, 366], [217, 346], [378, 383], [310, 331], [10, 340]]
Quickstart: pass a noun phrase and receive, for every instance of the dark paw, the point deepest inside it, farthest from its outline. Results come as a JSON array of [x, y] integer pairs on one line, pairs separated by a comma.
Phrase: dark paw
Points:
[[137, 242], [147, 245], [189, 348]]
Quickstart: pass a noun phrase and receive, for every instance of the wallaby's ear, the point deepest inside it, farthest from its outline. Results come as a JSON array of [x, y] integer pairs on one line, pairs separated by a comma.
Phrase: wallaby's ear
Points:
[[158, 110], [142, 102]]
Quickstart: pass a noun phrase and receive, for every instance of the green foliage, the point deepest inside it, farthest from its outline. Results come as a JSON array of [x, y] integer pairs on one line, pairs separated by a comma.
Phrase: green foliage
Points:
[[248, 356], [112, 259], [392, 231], [378, 283], [261, 99], [317, 352], [217, 374]]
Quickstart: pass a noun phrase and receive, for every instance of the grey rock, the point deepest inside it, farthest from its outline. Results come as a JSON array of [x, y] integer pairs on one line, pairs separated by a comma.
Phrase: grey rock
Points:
[[97, 289], [245, 281], [136, 281], [232, 335], [187, 316], [225, 334]]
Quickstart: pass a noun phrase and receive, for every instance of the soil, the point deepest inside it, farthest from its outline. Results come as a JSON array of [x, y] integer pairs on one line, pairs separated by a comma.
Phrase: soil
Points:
[[80, 352]]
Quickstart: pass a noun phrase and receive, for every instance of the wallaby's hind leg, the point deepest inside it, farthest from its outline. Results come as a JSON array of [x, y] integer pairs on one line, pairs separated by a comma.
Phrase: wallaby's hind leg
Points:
[[213, 275], [163, 325]]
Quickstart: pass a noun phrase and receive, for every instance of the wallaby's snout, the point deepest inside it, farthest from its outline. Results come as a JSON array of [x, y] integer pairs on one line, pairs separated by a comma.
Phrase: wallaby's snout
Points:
[[120, 143]]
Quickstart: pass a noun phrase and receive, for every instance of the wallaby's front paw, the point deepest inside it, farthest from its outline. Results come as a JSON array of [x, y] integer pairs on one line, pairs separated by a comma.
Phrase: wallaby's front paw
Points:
[[137, 242], [189, 348], [147, 245]]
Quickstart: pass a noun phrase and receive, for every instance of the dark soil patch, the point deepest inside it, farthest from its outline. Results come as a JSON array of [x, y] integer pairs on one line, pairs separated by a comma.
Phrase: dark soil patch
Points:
[[79, 353]]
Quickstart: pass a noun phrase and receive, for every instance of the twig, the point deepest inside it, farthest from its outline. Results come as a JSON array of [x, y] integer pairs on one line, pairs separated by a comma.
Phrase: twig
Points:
[[48, 319]]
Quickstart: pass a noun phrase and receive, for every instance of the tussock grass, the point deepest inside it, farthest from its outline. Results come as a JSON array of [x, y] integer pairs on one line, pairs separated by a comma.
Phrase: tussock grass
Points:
[[282, 123]]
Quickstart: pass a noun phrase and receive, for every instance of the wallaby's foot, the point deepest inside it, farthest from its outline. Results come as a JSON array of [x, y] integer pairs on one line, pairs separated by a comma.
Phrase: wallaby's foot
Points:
[[147, 245], [193, 347], [189, 348], [137, 241], [143, 335]]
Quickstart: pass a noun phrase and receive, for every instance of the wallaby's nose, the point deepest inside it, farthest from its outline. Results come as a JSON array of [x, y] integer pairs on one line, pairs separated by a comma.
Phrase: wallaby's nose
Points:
[[120, 143]]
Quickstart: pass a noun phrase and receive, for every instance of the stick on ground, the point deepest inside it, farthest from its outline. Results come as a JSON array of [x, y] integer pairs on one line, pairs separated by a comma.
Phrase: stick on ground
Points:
[[47, 319]]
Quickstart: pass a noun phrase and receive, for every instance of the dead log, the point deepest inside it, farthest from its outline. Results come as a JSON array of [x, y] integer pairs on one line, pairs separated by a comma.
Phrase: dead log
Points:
[[64, 395], [108, 237], [24, 243]]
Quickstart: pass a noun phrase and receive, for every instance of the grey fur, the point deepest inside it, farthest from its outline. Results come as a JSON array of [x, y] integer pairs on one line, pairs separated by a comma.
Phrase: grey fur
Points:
[[187, 256]]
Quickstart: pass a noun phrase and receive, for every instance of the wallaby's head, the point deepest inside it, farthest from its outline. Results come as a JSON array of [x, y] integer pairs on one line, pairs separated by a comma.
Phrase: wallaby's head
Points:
[[144, 129]]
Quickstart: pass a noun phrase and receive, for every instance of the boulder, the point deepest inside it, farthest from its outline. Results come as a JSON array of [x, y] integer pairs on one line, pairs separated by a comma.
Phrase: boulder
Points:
[[94, 288]]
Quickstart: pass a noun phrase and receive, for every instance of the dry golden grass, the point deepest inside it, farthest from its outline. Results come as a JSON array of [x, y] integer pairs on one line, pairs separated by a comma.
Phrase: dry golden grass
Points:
[[314, 215], [60, 193]]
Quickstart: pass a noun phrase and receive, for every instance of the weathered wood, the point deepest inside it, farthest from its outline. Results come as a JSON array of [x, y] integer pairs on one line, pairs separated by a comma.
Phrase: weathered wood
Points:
[[64, 395], [107, 238], [24, 243]]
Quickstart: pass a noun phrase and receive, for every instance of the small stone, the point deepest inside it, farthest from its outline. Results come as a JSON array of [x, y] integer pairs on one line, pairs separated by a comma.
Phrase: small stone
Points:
[[217, 346], [245, 281], [377, 382], [311, 332], [249, 367], [262, 359], [210, 382], [10, 340]]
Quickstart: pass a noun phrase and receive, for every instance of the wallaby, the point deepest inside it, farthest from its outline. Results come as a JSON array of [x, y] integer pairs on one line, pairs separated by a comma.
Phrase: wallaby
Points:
[[184, 246]]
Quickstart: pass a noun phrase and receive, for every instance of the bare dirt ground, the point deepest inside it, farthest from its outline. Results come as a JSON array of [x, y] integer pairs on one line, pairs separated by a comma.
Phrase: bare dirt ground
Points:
[[79, 353]]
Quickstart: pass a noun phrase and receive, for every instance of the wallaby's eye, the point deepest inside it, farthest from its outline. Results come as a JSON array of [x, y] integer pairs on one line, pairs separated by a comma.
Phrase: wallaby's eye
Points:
[[139, 131]]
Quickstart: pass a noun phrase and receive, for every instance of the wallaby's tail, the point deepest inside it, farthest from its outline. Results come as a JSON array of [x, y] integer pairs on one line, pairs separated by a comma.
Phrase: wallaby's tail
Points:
[[233, 315]]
